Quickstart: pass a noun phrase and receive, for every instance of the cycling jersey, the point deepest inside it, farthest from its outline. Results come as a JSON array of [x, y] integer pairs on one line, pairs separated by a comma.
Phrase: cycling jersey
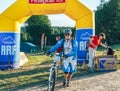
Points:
[[73, 52]]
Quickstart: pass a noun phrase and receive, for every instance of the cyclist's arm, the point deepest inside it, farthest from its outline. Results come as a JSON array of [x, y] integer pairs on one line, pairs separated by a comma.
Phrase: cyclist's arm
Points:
[[56, 46], [74, 50]]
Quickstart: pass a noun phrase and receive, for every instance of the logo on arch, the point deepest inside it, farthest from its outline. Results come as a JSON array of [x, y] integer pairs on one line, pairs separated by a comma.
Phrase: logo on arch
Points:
[[46, 1], [85, 36]]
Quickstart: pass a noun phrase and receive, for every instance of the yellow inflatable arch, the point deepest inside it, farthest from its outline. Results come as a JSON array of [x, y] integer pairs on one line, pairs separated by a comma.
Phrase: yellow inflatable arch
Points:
[[21, 10]]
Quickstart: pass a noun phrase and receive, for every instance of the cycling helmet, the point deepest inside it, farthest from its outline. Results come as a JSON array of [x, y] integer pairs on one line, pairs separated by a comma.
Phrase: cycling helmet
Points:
[[67, 31]]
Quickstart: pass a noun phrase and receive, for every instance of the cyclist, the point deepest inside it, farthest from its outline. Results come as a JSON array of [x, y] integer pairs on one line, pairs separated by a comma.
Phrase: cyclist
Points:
[[69, 49], [94, 42]]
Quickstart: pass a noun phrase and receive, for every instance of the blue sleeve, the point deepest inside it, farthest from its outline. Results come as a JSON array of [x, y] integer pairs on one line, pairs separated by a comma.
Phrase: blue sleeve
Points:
[[56, 46], [74, 49]]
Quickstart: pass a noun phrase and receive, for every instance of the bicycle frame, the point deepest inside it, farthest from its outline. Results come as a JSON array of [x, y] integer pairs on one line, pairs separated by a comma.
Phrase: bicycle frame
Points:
[[52, 76]]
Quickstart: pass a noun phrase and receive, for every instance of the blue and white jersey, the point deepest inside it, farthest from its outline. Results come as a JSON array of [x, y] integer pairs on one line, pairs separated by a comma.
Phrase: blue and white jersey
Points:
[[67, 49], [70, 49]]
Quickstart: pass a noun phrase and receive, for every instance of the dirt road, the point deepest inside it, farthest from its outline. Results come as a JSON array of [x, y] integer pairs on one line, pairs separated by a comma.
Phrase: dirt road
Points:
[[94, 82]]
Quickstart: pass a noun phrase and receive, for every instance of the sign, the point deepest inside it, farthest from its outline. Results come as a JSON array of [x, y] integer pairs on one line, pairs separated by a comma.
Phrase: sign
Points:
[[9, 49], [107, 63], [82, 37], [8, 46], [45, 1]]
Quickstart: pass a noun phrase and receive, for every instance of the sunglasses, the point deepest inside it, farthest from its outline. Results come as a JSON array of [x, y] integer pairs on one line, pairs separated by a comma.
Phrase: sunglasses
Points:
[[67, 34]]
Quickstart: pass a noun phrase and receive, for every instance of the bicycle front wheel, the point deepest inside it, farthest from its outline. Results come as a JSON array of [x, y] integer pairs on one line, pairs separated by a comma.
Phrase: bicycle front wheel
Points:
[[52, 79]]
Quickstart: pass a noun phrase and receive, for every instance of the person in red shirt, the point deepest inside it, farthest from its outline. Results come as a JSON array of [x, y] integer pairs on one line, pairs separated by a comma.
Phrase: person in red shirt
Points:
[[60, 48], [95, 41]]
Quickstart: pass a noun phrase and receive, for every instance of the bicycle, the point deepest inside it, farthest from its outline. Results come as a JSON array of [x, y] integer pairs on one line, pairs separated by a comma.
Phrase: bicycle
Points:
[[53, 73]]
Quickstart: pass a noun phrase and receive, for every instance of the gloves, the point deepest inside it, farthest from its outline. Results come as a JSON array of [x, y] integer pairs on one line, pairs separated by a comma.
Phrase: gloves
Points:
[[48, 53], [66, 56]]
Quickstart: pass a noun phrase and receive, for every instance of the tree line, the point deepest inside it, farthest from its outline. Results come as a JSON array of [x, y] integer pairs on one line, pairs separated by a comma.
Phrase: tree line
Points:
[[107, 18], [40, 26]]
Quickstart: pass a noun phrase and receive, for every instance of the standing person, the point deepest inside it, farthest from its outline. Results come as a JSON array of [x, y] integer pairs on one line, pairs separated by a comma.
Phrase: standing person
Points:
[[69, 49], [58, 38], [94, 42], [59, 50]]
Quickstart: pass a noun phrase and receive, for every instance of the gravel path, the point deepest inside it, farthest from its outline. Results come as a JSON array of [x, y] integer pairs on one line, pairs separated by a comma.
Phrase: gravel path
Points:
[[94, 82]]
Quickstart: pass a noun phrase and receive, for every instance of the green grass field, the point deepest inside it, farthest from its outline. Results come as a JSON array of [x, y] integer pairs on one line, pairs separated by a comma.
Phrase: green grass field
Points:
[[35, 73]]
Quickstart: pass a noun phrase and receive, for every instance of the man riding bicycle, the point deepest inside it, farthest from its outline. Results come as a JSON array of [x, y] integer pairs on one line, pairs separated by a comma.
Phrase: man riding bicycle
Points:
[[69, 49]]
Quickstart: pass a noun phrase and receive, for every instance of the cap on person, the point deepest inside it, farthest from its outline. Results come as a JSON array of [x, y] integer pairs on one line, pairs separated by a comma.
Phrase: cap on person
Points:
[[67, 31], [103, 35]]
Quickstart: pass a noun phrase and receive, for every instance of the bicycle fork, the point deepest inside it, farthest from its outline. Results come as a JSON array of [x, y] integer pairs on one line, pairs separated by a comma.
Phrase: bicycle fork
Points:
[[53, 73]]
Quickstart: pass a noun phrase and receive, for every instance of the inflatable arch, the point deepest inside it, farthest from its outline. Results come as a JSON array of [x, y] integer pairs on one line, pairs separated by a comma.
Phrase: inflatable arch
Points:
[[21, 10]]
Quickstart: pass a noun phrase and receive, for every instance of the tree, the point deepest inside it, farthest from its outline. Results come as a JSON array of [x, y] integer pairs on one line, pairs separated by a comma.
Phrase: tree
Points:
[[37, 25], [108, 21]]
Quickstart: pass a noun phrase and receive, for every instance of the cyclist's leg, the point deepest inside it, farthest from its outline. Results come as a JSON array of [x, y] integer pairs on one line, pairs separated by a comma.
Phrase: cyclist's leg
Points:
[[73, 68], [69, 73], [65, 68], [65, 78], [69, 78]]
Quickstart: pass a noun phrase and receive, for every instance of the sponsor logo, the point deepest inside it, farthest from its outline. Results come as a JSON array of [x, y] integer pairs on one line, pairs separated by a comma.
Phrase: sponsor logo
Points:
[[8, 46], [8, 40], [85, 36], [45, 1]]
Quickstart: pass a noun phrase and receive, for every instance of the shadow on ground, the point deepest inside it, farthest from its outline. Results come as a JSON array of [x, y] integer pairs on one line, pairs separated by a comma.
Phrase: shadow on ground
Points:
[[21, 79]]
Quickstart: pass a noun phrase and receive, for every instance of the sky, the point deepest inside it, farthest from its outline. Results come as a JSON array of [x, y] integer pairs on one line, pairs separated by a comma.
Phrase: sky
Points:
[[63, 20], [59, 19]]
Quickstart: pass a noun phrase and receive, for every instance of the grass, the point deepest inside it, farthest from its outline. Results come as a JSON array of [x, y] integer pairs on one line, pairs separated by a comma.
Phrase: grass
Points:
[[35, 73]]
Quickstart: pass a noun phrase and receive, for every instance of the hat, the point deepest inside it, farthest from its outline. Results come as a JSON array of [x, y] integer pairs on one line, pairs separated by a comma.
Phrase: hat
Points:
[[103, 35]]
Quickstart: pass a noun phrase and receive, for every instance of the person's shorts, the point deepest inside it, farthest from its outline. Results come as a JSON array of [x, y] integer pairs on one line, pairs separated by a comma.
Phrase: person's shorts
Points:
[[69, 66]]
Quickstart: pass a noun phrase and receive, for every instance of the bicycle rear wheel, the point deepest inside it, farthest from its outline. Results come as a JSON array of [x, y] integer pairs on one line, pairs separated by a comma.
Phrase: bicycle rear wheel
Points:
[[52, 79]]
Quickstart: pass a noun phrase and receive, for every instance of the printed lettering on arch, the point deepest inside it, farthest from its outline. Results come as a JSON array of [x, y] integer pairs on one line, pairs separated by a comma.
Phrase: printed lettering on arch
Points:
[[46, 1]]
